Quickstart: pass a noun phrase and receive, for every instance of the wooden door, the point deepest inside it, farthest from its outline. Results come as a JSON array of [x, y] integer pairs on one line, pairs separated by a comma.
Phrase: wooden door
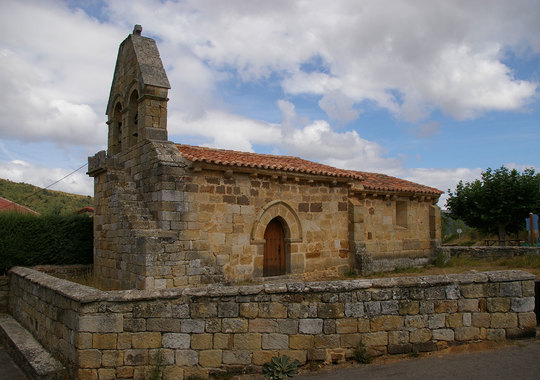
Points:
[[274, 249]]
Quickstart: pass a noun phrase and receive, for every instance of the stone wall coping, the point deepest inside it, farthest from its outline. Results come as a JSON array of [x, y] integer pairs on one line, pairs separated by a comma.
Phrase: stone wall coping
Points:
[[491, 247], [85, 294]]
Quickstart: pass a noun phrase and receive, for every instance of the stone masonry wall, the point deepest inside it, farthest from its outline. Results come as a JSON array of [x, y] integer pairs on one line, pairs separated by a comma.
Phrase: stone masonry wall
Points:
[[200, 331], [4, 294]]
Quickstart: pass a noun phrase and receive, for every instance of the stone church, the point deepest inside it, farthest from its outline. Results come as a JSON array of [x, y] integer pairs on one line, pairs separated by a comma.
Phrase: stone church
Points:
[[172, 215]]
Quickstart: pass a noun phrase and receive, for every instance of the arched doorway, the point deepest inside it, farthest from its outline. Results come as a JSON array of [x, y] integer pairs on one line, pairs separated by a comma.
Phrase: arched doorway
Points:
[[274, 249]]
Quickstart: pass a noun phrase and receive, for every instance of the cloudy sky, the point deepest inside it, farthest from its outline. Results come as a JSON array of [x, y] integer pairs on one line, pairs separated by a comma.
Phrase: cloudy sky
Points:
[[430, 91]]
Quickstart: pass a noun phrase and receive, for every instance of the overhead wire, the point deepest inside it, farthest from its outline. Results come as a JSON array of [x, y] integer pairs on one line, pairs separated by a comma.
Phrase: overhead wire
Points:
[[45, 188]]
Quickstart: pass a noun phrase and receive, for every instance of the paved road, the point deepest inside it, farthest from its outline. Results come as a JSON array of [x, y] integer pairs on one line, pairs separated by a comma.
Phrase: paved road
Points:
[[520, 361], [8, 368]]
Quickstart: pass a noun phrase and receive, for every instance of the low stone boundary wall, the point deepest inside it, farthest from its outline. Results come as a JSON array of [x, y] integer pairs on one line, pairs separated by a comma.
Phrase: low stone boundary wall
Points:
[[201, 331], [4, 293], [485, 252]]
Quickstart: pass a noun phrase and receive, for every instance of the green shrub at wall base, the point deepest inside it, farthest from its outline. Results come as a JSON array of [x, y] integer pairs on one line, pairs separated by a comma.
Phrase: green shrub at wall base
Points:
[[29, 240]]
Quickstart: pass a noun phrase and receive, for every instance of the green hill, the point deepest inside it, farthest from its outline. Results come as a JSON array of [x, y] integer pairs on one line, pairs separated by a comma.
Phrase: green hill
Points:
[[44, 201]]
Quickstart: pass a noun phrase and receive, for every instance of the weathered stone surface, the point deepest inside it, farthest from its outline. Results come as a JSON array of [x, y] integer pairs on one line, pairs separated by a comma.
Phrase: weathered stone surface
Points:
[[202, 341], [503, 320], [522, 305], [310, 326], [210, 358], [102, 323], [89, 359], [443, 334], [510, 289], [237, 357], [186, 358], [375, 339], [249, 341], [420, 335], [346, 326], [497, 304], [467, 333], [385, 323], [354, 310], [146, 340]]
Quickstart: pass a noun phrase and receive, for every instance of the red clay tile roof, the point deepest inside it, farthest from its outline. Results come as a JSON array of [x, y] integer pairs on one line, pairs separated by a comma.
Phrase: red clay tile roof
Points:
[[376, 181], [261, 161], [7, 205], [371, 181]]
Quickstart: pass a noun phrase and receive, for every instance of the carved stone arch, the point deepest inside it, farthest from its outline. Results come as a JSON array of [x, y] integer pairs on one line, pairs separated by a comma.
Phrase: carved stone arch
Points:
[[283, 211]]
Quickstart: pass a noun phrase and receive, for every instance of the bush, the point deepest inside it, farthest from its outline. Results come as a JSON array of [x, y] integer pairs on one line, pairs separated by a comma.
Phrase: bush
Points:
[[29, 240]]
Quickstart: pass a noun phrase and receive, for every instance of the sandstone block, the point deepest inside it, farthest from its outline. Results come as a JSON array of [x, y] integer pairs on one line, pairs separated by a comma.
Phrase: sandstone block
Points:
[[249, 341], [467, 320], [389, 307], [399, 348], [261, 357], [164, 324], [84, 340], [89, 359], [301, 342], [498, 304], [272, 310], [146, 340], [445, 306], [503, 320], [427, 307], [408, 307], [287, 326], [387, 322], [210, 358], [87, 374], [234, 325], [398, 338], [203, 310], [420, 335], [522, 305], [468, 305], [527, 288], [354, 310], [310, 326], [467, 333], [481, 320], [527, 320], [173, 373], [223, 341], [435, 293], [201, 341], [106, 374], [176, 340], [443, 334], [186, 358], [263, 325], [104, 341], [454, 320], [372, 308], [101, 323], [228, 310], [237, 357], [416, 321], [124, 341], [212, 325], [328, 341], [375, 339], [112, 358], [331, 310], [124, 372], [191, 326], [436, 321], [510, 289], [347, 325], [136, 357], [363, 325], [276, 341], [249, 310]]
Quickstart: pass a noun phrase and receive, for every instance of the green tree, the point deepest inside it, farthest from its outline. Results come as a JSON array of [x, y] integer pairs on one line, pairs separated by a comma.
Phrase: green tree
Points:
[[499, 202]]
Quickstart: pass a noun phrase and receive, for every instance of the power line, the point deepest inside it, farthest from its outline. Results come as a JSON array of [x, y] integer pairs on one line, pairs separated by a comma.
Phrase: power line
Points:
[[45, 188]]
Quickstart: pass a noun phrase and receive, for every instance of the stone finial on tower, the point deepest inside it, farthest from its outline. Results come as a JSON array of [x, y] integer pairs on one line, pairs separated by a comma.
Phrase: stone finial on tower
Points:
[[137, 108]]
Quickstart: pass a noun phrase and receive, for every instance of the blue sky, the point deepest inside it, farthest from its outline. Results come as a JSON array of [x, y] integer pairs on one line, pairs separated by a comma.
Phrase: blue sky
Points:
[[430, 91]]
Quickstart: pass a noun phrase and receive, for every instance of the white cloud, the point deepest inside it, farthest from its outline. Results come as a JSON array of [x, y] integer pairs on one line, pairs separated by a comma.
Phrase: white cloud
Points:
[[21, 171]]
